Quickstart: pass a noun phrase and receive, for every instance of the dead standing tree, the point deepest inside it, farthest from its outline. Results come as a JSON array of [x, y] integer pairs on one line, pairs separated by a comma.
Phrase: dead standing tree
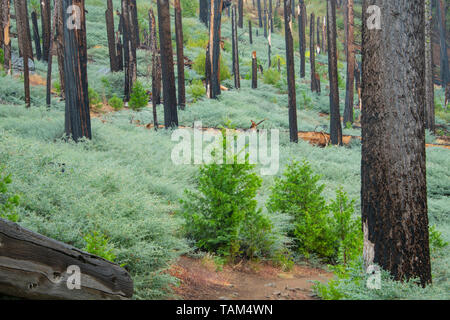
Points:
[[56, 11], [335, 117], [168, 76], [156, 69], [254, 71], [350, 90], [235, 49], [180, 55], [109, 18], [393, 166], [36, 37], [302, 36], [129, 49], [78, 119], [25, 47], [46, 13], [293, 128], [214, 48]]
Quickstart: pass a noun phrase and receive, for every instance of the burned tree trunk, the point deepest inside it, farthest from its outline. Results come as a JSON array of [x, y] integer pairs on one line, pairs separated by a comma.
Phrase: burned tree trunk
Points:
[[60, 52], [78, 118], [214, 46], [109, 17], [129, 49], [33, 266], [349, 93], [312, 55], [203, 12], [241, 13], [250, 34], [56, 12], [36, 37], [180, 55], [429, 85], [444, 64], [156, 69], [5, 38], [168, 76], [318, 29], [324, 34], [271, 16], [393, 169], [254, 71], [258, 2], [134, 22], [235, 49], [302, 37], [26, 49], [265, 19], [293, 128], [46, 13], [335, 117]]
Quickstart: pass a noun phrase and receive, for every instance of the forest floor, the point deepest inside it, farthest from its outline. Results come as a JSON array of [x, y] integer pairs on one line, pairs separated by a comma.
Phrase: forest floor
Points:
[[201, 279]]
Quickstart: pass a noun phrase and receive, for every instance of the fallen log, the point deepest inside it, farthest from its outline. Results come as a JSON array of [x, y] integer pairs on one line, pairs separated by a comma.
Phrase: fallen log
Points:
[[33, 266]]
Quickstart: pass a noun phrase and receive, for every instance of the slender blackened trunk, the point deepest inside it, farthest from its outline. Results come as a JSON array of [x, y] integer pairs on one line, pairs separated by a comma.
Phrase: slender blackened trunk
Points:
[[271, 16], [293, 128], [265, 19], [168, 76], [258, 2], [241, 13], [429, 85], [203, 13], [109, 17], [56, 11], [444, 64], [46, 13], [349, 93], [318, 29], [180, 55], [235, 49], [214, 46], [335, 117], [156, 69], [254, 71], [78, 119], [24, 37], [312, 54], [36, 37], [393, 170], [250, 34], [134, 21], [302, 37], [129, 49]]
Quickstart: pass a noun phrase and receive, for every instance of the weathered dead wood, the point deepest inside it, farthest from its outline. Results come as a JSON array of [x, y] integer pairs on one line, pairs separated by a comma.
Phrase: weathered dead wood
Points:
[[254, 71], [33, 266]]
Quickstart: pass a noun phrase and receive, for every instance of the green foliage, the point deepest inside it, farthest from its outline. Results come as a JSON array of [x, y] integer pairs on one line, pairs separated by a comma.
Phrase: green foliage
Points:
[[2, 58], [199, 66], [189, 8], [8, 204], [197, 90], [436, 241], [116, 103], [271, 76], [57, 87], [298, 194], [98, 244], [222, 215], [94, 98], [138, 97]]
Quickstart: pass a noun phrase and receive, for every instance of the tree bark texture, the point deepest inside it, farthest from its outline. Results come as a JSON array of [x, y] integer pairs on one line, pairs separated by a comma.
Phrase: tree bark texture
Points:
[[429, 84], [235, 49], [180, 55], [214, 46], [302, 37], [109, 17], [254, 71], [36, 37], [350, 84], [46, 13]]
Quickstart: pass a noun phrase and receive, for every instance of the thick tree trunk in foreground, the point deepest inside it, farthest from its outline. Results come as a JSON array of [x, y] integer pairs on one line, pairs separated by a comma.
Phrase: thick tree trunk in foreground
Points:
[[350, 85], [302, 37], [5, 39], [25, 47], [214, 46], [33, 266], [429, 84], [335, 117], [180, 55], [109, 17], [168, 76], [293, 128], [36, 37], [78, 118], [393, 171], [235, 49], [46, 13]]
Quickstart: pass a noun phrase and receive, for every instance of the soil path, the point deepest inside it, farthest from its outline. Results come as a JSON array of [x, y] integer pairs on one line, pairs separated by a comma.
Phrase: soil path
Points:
[[200, 280]]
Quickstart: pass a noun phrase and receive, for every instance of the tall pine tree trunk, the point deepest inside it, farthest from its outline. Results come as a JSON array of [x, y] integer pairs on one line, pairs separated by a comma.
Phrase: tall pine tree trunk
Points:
[[349, 93], [312, 54], [203, 11], [293, 128], [5, 37], [393, 170], [78, 119], [180, 55], [335, 117], [258, 2], [109, 17], [46, 13], [444, 64], [429, 85], [36, 37], [168, 76], [156, 69], [235, 48], [60, 52], [302, 37], [214, 47], [241, 13]]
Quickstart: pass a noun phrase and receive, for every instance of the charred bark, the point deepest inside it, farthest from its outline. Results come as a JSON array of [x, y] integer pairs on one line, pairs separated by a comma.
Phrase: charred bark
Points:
[[444, 64], [203, 12], [258, 3], [349, 92], [168, 76], [109, 17], [214, 46], [254, 71], [36, 37], [335, 117], [302, 37], [78, 119], [293, 128], [60, 52], [180, 55], [241, 13], [312, 54], [250, 33], [46, 13], [156, 69], [235, 49], [56, 11], [393, 170]]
